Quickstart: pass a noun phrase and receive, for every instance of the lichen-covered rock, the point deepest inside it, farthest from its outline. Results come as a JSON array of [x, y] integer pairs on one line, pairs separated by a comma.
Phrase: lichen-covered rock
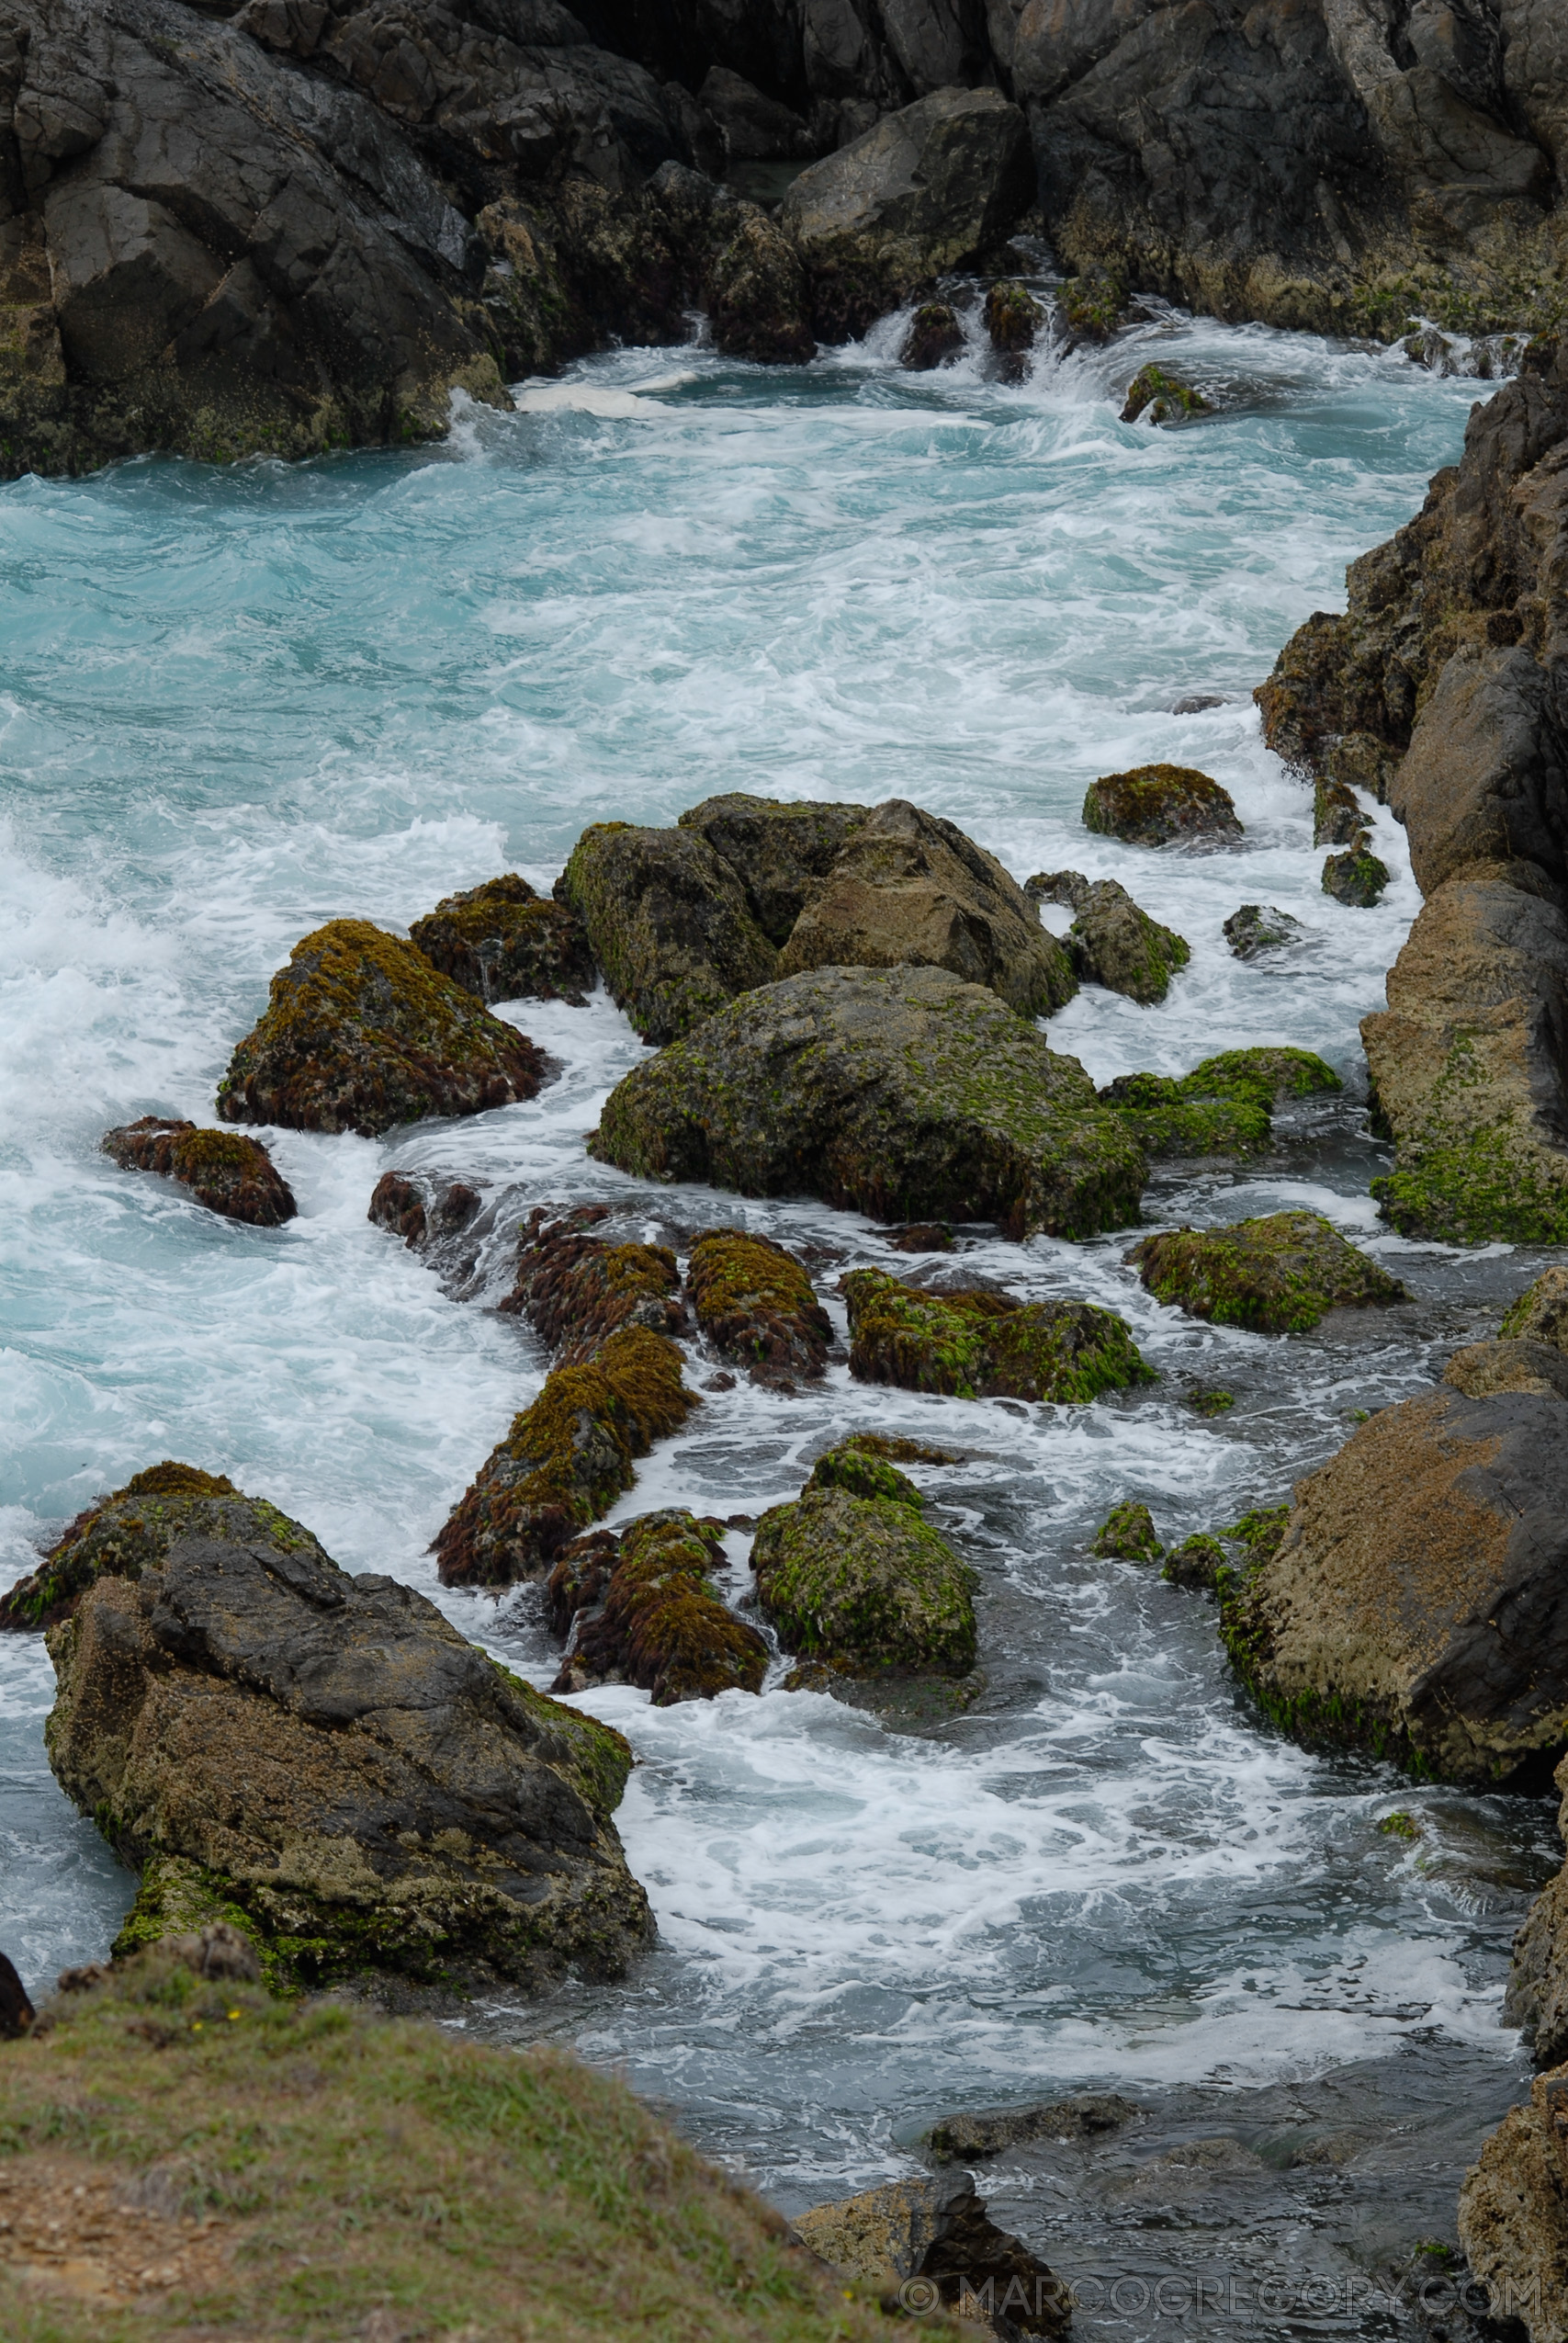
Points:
[[1156, 803], [780, 849], [1164, 396], [902, 1093], [1224, 1106], [1518, 1365], [504, 942], [660, 1623], [1414, 1603], [756, 1304], [1127, 1534], [1540, 1314], [422, 1210], [1277, 1275], [668, 924], [361, 1032], [362, 1787], [976, 1344], [1356, 878], [129, 1532], [227, 1173], [1513, 2222], [1115, 944], [865, 1585], [1256, 929], [576, 1290], [911, 888], [565, 1461], [935, 337], [1337, 816], [935, 2233], [1013, 318]]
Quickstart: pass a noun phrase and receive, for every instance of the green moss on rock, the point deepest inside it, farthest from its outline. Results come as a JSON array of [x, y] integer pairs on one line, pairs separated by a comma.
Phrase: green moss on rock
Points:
[[1540, 1313], [780, 849], [1164, 397], [756, 1304], [1224, 1106], [865, 1585], [361, 1032], [1355, 878], [1196, 1562], [859, 1471], [1484, 1185], [504, 942], [660, 1623], [1153, 804], [1127, 1534], [228, 1173], [974, 1344], [1276, 1274], [1013, 317], [668, 922]]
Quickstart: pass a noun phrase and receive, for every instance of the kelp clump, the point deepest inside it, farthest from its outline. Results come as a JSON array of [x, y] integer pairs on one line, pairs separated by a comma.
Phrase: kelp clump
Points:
[[504, 942], [576, 1289], [565, 1461], [1276, 1274], [755, 1303], [974, 1345], [660, 1624], [225, 1171]]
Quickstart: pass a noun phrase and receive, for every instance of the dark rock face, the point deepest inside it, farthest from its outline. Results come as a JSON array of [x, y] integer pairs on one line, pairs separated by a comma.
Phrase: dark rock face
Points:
[[1013, 318], [935, 339], [364, 1784], [361, 1032], [939, 2230], [16, 2012], [1537, 1996], [230, 1175], [756, 1304], [576, 1290], [780, 852], [980, 1345], [668, 924], [991, 2131], [658, 1621], [1416, 1604], [1256, 929], [902, 1093], [1337, 816], [1156, 803], [1277, 1275], [504, 942]]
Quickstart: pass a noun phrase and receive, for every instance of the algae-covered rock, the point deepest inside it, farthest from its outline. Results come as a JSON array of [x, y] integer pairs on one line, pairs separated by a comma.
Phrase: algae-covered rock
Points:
[[1127, 1534], [228, 1173], [668, 924], [977, 1344], [565, 1461], [576, 1290], [1256, 929], [1338, 818], [861, 1468], [908, 887], [361, 1032], [355, 1781], [1164, 396], [504, 942], [1518, 1365], [1412, 1605], [1224, 1106], [1540, 1314], [935, 339], [1156, 803], [1013, 317], [580, 1576], [420, 1210], [865, 1585], [129, 1532], [1115, 944], [781, 850], [660, 1625], [1277, 1275], [756, 1304], [903, 1093], [1093, 304], [991, 2131], [1357, 876], [1196, 1562]]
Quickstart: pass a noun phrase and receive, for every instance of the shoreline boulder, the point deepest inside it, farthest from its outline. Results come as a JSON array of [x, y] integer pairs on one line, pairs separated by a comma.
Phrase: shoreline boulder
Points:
[[1111, 941], [1513, 2226], [360, 1032], [1535, 1998], [576, 1290], [756, 1304], [668, 922], [1155, 804], [227, 1173], [1224, 1106], [974, 1344], [504, 942], [1256, 929], [864, 1586], [420, 1210], [1277, 1275], [780, 849], [931, 2240], [905, 1094], [658, 1622]]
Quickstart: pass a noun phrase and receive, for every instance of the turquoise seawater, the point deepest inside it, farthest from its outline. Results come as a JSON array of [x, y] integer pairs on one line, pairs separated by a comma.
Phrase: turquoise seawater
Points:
[[235, 704]]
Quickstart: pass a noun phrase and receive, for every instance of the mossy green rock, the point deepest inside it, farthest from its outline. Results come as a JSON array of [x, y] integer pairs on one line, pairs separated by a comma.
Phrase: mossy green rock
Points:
[[660, 1623], [1163, 396], [577, 1289], [1155, 804], [1224, 1106], [865, 1585], [360, 1032], [1196, 1562], [904, 1094], [669, 922], [1355, 878], [1540, 1313], [325, 1760], [504, 942], [1013, 317], [1115, 944], [1278, 1274], [858, 1468], [224, 1171], [977, 1344], [1127, 1534], [131, 1531], [756, 1304], [780, 849]]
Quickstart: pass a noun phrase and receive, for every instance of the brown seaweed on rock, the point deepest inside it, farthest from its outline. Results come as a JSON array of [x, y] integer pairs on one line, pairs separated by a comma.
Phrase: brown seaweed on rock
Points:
[[756, 1304], [230, 1175], [576, 1289], [659, 1623]]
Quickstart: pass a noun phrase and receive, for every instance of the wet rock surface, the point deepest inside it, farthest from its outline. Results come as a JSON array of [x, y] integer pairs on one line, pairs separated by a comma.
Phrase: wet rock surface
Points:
[[935, 339], [992, 2131], [1512, 2222], [1277, 1275], [1481, 1368], [1356, 878], [1162, 396], [422, 1211], [1224, 1106], [657, 1621], [1111, 941], [233, 1176], [504, 942], [979, 1344], [780, 850], [1157, 804], [1537, 1996], [577, 1289], [756, 1304], [1257, 928], [865, 1585], [668, 922]]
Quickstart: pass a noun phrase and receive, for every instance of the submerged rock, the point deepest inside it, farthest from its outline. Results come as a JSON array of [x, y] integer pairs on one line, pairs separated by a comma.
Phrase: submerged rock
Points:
[[361, 1032], [1277, 1275], [756, 1304], [1483, 1367], [865, 1585], [1513, 2226], [504, 942], [991, 2131], [229, 1174], [1255, 930], [935, 339], [1196, 1562], [660, 1624], [980, 1345], [781, 850], [1127, 1534], [897, 1092], [330, 1761], [1412, 1605], [129, 1532], [937, 2232], [668, 924], [1164, 397], [909, 889], [861, 1467], [1224, 1106], [1013, 318], [576, 1290], [1156, 803], [1357, 878], [565, 1461]]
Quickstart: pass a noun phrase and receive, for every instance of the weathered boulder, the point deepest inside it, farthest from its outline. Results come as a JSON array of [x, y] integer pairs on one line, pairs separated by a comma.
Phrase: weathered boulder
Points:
[[361, 1032], [1512, 2222], [131, 1531], [1224, 1106], [1415, 1604], [929, 189], [991, 2131], [576, 1290], [1196, 1562], [865, 1585], [755, 128], [1255, 930], [781, 850], [1163, 397], [1278, 1274], [1356, 878], [935, 339], [565, 1461], [938, 2231], [668, 924], [1093, 304], [981, 1345], [504, 942], [345, 1774], [1156, 803], [420, 1210], [1111, 941], [1482, 1368], [1127, 1534], [659, 1623], [1013, 318], [755, 1304], [1338, 818], [861, 1466], [909, 889], [901, 1093], [731, 257], [229, 1174]]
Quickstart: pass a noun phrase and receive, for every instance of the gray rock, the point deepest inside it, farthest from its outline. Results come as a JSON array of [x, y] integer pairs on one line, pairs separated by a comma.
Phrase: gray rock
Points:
[[755, 128], [1481, 791], [1482, 1368], [1255, 930], [668, 922], [991, 2131], [780, 850], [1356, 878], [1115, 944], [1512, 2224]]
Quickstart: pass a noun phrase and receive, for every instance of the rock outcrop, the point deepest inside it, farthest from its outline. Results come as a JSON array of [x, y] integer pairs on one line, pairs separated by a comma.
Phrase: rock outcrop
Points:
[[1155, 805], [756, 1304], [1414, 1605], [1482, 1368], [1537, 1996], [229, 1174], [937, 2233], [329, 1760], [1277, 1275], [1163, 397], [361, 1032], [935, 339], [977, 1344], [991, 2131], [1512, 2220], [504, 942], [668, 924], [1127, 1534], [781, 850], [1256, 929], [423, 1211], [863, 1585], [577, 1289], [1111, 941], [655, 1621], [905, 1094]]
